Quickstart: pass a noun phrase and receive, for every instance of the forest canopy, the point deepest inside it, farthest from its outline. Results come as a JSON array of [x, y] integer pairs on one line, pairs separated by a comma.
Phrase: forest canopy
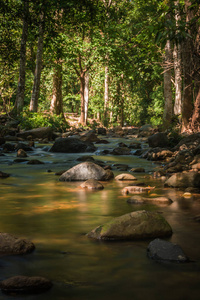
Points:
[[118, 62]]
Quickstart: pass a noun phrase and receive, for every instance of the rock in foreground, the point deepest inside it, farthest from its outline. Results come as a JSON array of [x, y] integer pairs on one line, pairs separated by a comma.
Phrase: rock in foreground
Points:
[[165, 251], [10, 244], [85, 171], [135, 225], [25, 285]]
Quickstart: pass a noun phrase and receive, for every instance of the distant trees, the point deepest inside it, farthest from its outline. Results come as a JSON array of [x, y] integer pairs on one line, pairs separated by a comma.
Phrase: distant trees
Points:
[[122, 62]]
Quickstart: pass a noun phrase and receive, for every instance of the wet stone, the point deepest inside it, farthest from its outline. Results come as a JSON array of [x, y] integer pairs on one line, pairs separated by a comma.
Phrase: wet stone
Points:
[[25, 285]]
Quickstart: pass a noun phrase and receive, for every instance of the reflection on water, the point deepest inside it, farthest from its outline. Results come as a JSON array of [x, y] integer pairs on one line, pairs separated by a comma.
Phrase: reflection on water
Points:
[[57, 215]]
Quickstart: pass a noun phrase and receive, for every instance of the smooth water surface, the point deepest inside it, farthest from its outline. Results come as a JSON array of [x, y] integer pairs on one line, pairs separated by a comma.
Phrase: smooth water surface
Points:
[[57, 215]]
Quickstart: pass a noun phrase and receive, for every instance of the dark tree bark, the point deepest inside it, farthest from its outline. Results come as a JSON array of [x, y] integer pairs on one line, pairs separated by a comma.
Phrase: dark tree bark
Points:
[[19, 102], [167, 115], [38, 68], [57, 100]]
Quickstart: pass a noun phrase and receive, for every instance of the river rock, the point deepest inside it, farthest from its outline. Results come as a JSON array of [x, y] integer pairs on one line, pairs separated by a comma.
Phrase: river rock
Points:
[[138, 199], [21, 153], [92, 184], [101, 131], [40, 133], [184, 180], [161, 250], [89, 136], [4, 175], [133, 189], [158, 139], [121, 151], [71, 145], [85, 171], [138, 170], [25, 285], [35, 162], [135, 225], [146, 130], [10, 244], [23, 146], [125, 176]]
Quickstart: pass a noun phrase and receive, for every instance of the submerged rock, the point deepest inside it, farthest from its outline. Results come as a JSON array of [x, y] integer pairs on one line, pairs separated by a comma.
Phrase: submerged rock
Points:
[[85, 171], [135, 225], [165, 251], [125, 176], [25, 285], [10, 244], [92, 184], [139, 199]]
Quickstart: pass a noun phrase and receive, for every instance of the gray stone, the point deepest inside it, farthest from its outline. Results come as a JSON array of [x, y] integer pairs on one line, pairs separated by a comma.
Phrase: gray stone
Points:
[[166, 251], [135, 225], [85, 171]]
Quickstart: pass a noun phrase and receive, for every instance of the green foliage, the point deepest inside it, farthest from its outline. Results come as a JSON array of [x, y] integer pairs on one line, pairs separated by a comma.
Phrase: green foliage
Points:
[[30, 120]]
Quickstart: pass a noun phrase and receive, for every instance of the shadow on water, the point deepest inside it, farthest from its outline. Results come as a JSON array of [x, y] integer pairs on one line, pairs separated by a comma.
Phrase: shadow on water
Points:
[[57, 215]]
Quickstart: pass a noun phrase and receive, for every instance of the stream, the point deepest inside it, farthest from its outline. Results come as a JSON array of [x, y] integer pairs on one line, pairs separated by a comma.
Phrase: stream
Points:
[[56, 216]]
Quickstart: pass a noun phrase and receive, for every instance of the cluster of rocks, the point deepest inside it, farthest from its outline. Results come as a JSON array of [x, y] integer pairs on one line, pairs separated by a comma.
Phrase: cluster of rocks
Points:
[[11, 245]]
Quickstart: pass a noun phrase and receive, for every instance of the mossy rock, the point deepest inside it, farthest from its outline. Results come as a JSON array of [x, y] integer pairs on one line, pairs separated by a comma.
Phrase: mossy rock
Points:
[[132, 226]]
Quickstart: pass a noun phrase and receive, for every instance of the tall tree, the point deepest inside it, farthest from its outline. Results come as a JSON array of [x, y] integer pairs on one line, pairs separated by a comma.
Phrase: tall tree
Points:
[[19, 102], [38, 67]]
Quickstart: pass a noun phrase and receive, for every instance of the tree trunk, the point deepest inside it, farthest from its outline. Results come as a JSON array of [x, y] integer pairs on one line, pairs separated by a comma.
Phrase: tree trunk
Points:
[[38, 68], [187, 106], [177, 67], [106, 96], [82, 89], [86, 95], [57, 101], [167, 115], [19, 102]]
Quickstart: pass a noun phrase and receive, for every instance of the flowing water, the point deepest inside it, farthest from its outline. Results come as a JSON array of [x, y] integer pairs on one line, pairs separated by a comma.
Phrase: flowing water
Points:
[[57, 215]]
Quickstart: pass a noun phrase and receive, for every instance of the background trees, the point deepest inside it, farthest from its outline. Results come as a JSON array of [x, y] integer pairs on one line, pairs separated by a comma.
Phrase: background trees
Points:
[[137, 62]]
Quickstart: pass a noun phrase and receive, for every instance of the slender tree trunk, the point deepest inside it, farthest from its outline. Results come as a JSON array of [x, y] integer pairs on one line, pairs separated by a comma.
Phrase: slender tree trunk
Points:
[[106, 96], [187, 106], [177, 66], [86, 95], [57, 101], [38, 68], [167, 115], [178, 79], [82, 89], [19, 102]]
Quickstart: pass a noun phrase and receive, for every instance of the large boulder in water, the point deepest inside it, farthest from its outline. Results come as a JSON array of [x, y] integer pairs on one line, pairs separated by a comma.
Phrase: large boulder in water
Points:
[[72, 145], [135, 225], [184, 180], [10, 244], [85, 171]]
